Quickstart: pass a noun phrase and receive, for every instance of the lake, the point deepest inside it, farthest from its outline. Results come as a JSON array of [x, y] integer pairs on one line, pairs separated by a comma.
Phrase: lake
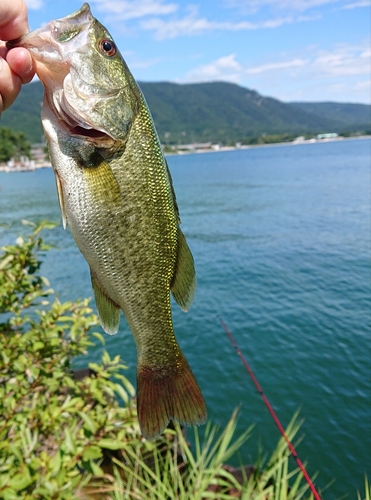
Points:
[[281, 241]]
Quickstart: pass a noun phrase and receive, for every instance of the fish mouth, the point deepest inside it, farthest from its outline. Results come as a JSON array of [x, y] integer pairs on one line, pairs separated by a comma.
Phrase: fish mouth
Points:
[[76, 125], [95, 135]]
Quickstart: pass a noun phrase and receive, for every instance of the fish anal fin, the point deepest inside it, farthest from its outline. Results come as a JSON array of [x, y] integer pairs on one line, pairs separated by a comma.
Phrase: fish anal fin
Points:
[[108, 311], [168, 393], [61, 199], [183, 286]]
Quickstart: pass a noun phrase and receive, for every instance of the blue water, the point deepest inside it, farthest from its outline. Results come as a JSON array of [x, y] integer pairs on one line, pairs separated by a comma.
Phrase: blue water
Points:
[[281, 241]]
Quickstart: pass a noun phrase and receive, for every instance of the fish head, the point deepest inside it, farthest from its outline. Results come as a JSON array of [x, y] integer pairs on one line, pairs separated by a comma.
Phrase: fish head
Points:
[[87, 83]]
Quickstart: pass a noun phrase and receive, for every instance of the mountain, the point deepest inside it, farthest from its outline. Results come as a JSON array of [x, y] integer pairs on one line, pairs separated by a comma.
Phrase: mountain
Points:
[[216, 112], [222, 111], [24, 114], [348, 114]]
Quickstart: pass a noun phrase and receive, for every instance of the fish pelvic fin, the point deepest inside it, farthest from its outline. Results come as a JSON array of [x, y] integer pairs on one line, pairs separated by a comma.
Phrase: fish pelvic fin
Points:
[[183, 285], [108, 311], [168, 393]]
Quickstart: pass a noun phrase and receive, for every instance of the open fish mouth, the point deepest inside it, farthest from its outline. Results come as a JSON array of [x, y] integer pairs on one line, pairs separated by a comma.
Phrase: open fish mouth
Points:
[[83, 129], [77, 123], [76, 129]]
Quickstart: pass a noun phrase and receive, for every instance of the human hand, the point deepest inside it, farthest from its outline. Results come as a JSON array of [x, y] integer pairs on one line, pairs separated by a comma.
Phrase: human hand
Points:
[[15, 64]]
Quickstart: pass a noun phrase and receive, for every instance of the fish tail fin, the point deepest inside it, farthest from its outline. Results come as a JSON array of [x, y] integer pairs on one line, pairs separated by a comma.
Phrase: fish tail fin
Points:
[[168, 393]]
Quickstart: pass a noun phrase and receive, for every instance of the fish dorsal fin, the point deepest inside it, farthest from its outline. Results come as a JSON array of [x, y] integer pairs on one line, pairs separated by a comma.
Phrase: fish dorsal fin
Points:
[[108, 311], [183, 286], [61, 199]]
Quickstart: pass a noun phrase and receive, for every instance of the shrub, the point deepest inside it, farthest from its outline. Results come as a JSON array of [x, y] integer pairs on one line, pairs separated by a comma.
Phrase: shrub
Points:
[[54, 429]]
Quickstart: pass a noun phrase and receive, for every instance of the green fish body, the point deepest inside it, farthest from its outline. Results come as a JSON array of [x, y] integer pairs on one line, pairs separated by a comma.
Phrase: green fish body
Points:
[[115, 192]]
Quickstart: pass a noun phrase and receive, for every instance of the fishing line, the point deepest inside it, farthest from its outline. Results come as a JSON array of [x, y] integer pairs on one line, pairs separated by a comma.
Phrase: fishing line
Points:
[[271, 411]]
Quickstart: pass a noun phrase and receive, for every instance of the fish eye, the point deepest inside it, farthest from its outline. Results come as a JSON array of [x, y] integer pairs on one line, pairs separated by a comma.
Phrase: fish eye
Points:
[[107, 47]]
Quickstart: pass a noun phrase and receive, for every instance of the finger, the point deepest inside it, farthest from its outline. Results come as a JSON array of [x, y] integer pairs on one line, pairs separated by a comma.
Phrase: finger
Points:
[[20, 62], [13, 19], [10, 85]]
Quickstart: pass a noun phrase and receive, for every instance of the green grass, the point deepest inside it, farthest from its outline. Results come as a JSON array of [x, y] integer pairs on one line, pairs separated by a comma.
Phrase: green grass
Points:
[[158, 474]]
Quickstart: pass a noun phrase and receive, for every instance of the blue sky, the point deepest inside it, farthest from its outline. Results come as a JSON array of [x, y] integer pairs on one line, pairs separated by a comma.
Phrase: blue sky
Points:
[[308, 50]]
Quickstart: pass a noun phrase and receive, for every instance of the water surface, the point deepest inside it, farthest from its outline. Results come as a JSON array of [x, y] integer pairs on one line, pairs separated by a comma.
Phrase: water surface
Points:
[[281, 240]]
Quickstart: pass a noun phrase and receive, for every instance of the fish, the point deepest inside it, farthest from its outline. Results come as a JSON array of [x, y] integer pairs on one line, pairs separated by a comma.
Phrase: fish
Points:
[[116, 195]]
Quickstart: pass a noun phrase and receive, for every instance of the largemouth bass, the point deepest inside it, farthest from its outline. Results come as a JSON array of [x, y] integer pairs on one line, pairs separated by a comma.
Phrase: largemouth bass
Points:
[[116, 194]]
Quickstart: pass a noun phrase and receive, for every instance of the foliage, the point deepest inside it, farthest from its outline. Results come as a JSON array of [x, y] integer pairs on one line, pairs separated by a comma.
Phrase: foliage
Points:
[[53, 427], [64, 438], [168, 469], [270, 139], [20, 282], [13, 144], [344, 113], [178, 473], [24, 114]]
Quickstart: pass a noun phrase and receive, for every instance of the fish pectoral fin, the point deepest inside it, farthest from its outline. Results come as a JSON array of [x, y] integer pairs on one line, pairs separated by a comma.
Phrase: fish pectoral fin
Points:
[[183, 286], [61, 199], [108, 311]]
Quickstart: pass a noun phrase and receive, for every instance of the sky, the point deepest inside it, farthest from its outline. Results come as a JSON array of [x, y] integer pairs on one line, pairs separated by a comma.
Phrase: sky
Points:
[[292, 50]]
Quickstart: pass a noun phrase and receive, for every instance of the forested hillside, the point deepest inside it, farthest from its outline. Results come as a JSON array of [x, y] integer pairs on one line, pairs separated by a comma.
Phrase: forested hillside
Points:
[[216, 112]]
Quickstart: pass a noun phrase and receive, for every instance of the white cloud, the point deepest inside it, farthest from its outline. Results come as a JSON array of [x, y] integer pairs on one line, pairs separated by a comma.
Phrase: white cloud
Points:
[[337, 74], [355, 5], [189, 25], [291, 6], [344, 91], [343, 60], [361, 92], [136, 63], [125, 9], [225, 68], [192, 24], [363, 86], [275, 23], [34, 4], [253, 6], [152, 12], [295, 63]]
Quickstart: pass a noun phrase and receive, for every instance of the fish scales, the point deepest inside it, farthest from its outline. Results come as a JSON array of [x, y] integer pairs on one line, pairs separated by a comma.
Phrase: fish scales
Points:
[[116, 194]]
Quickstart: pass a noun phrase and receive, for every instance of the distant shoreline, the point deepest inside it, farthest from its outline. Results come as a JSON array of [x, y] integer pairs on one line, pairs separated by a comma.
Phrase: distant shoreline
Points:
[[5, 168], [273, 144]]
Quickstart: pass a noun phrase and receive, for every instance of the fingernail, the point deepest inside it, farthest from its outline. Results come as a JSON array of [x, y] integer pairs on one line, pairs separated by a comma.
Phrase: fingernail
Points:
[[1, 63]]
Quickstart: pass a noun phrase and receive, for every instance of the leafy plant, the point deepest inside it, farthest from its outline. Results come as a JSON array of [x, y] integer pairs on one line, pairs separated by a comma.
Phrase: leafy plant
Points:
[[65, 437], [54, 429]]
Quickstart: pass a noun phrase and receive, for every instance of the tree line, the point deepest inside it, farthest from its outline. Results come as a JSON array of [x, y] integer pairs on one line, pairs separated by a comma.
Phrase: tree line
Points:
[[13, 144]]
